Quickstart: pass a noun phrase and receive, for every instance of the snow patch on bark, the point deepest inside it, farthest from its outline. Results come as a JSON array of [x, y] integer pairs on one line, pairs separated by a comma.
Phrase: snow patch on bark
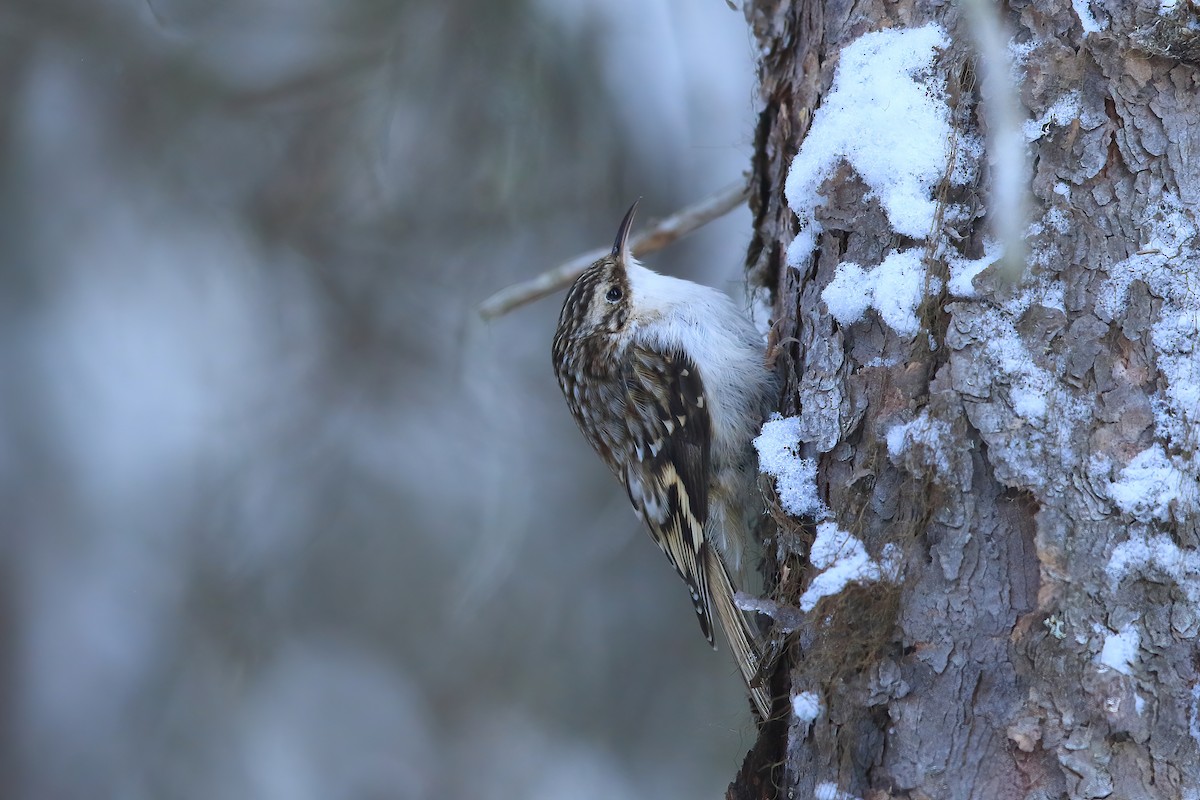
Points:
[[895, 289], [1120, 650], [1087, 19], [886, 116], [830, 791], [1061, 112], [923, 442], [806, 706], [1161, 266], [964, 270], [1023, 410], [843, 560], [1155, 558], [795, 477], [1151, 485]]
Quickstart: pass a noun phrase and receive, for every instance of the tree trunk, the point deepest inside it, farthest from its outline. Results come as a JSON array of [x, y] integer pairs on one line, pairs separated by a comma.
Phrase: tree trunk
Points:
[[1016, 449]]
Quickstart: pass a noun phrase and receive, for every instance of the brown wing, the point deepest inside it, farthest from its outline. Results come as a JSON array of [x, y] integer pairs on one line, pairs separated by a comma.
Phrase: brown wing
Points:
[[666, 474]]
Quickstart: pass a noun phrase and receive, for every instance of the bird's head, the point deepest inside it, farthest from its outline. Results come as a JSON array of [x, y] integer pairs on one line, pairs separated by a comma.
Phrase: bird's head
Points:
[[598, 303]]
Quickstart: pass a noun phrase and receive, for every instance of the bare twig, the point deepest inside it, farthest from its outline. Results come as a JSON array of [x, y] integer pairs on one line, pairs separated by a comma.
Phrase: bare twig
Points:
[[650, 240]]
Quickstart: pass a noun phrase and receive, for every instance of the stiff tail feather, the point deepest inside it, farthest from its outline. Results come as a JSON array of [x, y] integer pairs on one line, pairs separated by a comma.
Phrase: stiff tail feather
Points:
[[742, 639]]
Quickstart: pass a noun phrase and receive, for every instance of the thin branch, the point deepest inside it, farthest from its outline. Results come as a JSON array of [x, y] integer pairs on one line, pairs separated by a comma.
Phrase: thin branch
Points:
[[650, 240]]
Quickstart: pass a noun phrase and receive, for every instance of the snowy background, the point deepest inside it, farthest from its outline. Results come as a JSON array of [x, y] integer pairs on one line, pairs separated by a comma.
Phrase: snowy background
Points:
[[281, 517]]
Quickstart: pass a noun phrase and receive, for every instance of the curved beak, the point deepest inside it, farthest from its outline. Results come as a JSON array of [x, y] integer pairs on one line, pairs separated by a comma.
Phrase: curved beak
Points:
[[620, 249]]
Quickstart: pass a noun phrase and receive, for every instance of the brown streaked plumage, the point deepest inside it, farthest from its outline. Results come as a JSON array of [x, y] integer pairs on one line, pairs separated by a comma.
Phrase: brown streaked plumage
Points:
[[665, 379]]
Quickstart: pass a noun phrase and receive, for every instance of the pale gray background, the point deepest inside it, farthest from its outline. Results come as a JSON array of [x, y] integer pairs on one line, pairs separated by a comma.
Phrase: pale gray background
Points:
[[281, 517]]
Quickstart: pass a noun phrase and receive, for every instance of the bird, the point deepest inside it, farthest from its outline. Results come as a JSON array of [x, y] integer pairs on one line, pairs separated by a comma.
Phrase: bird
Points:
[[667, 380]]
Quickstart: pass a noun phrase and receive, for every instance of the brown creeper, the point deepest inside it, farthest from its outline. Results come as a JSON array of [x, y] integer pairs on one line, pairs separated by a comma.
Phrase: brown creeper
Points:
[[666, 379]]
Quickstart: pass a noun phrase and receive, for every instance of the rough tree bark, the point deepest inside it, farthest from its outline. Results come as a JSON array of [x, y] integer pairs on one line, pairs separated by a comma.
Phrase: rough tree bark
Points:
[[1040, 640]]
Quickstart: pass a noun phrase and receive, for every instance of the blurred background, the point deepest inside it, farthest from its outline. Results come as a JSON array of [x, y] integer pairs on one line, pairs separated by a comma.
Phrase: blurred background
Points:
[[281, 517]]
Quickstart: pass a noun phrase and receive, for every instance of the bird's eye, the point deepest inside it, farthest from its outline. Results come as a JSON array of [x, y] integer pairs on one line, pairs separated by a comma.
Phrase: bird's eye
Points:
[[614, 294]]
